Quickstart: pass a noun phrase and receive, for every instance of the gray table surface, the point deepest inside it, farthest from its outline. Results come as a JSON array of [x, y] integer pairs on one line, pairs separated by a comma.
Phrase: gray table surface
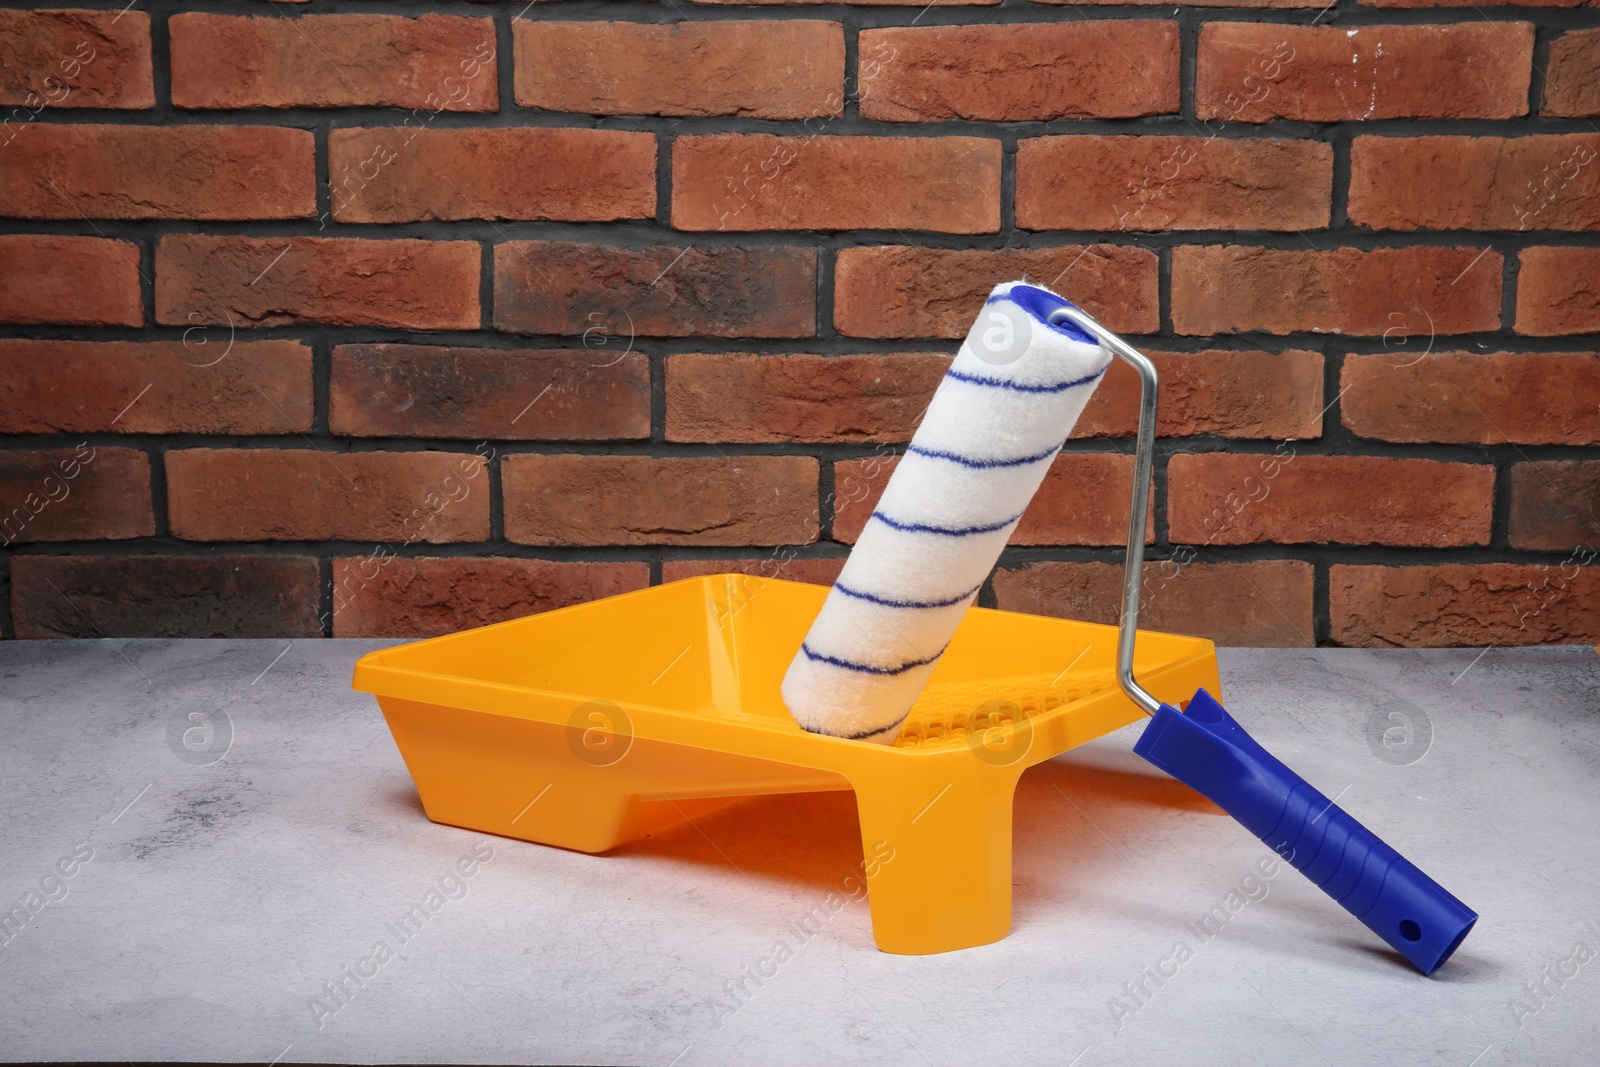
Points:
[[223, 893]]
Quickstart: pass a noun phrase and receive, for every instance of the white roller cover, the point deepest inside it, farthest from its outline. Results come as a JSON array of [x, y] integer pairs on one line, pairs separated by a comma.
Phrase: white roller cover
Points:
[[1002, 412]]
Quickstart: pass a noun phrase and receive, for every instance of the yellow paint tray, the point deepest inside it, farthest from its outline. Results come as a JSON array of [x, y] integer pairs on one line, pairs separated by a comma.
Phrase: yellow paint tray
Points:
[[594, 725]]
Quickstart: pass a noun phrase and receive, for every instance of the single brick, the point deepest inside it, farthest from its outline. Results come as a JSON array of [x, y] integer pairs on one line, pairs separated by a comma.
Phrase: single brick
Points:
[[784, 567], [81, 494], [1555, 506], [1240, 499], [432, 63], [488, 394], [757, 181], [757, 398], [340, 281], [643, 500], [767, 69], [1002, 73], [75, 281], [1526, 398], [1468, 3], [1263, 604], [1464, 604], [1198, 3], [160, 172], [165, 596], [861, 3], [304, 494], [206, 384], [899, 291], [390, 174], [1173, 183], [74, 59], [1259, 71], [1476, 183], [1393, 292], [1572, 75], [1083, 499], [1271, 395], [1558, 291], [611, 295], [398, 596]]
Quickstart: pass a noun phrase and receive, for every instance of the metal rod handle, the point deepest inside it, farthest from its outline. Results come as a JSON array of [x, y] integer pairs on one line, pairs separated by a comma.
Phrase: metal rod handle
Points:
[[1144, 461]]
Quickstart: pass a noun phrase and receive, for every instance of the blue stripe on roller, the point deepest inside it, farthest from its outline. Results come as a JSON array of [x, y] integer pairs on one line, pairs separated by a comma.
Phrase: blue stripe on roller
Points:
[[1039, 303], [867, 668], [943, 531], [983, 464], [863, 735], [1022, 387], [890, 602]]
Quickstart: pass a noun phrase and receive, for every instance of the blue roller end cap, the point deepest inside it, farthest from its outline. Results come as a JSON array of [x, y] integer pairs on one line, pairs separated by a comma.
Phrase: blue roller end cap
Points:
[[1207, 750]]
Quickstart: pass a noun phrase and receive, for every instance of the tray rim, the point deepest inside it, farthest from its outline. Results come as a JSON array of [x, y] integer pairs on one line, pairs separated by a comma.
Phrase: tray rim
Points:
[[763, 735]]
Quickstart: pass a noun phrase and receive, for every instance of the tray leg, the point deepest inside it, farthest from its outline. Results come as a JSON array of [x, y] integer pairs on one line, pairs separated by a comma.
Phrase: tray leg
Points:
[[937, 855]]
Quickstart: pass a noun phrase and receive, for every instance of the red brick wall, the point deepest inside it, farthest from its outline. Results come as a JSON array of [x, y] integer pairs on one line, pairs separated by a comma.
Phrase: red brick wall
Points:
[[315, 320]]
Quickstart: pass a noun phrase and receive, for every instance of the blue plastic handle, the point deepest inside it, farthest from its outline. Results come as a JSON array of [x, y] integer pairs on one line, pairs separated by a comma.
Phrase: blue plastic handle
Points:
[[1207, 750]]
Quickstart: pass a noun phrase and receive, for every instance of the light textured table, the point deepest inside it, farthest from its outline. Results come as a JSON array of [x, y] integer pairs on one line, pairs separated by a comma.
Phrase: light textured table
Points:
[[222, 896]]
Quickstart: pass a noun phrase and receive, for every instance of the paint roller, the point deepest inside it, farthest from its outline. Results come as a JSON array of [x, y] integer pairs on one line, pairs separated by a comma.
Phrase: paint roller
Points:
[[1002, 412]]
